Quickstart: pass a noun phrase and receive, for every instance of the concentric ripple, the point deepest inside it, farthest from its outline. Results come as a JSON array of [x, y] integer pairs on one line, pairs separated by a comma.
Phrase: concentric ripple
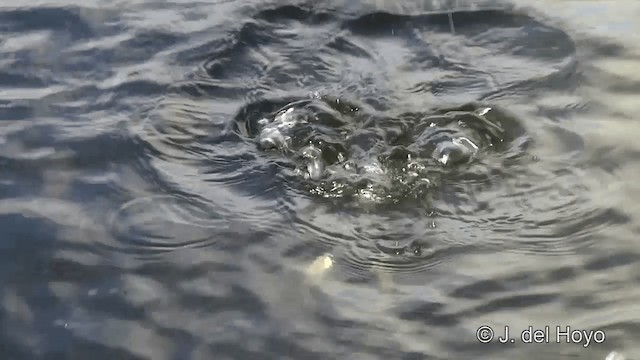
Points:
[[152, 225], [389, 168], [397, 138]]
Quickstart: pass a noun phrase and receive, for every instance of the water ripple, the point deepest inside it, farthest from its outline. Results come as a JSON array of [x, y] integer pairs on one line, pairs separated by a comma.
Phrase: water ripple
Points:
[[143, 225], [314, 125], [260, 171]]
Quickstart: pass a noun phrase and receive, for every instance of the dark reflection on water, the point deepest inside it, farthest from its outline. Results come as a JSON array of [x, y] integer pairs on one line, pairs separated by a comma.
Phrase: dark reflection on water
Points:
[[311, 181]]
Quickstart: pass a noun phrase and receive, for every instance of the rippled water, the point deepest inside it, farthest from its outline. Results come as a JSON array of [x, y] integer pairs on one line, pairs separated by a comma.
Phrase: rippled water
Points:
[[317, 180]]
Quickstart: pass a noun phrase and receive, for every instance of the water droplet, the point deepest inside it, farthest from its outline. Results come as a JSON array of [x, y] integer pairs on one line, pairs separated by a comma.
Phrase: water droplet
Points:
[[447, 152], [271, 138], [312, 157]]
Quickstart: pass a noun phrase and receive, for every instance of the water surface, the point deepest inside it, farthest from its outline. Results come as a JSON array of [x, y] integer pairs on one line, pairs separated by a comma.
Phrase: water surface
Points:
[[317, 180]]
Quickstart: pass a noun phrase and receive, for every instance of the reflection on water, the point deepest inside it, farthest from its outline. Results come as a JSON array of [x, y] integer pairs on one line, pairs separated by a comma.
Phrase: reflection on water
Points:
[[359, 180]]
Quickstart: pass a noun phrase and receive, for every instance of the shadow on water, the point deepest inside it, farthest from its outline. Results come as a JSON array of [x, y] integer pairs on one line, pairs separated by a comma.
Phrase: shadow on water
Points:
[[169, 176]]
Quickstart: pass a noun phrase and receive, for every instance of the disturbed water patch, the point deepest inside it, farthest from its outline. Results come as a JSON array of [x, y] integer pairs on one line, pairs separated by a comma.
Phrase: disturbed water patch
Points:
[[407, 129], [343, 150]]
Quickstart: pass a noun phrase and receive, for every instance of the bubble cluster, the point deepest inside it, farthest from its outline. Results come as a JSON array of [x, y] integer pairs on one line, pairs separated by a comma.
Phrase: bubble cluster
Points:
[[342, 150]]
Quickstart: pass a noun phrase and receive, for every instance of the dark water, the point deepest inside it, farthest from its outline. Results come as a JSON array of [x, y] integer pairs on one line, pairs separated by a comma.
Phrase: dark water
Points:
[[318, 180]]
